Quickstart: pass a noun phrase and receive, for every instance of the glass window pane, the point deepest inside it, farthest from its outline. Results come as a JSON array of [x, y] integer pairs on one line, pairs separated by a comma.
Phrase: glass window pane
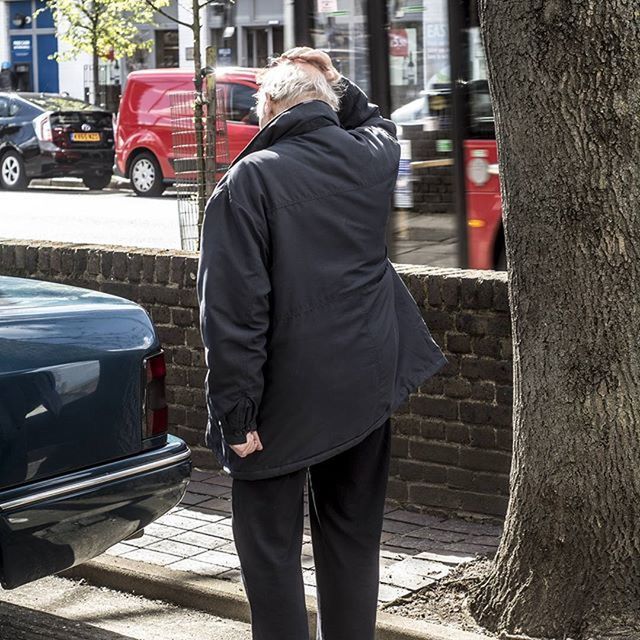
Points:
[[242, 103], [485, 236], [343, 35], [424, 220]]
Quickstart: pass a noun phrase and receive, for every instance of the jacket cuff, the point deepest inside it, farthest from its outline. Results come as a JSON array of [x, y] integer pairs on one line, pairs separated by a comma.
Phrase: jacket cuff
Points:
[[354, 104], [238, 422]]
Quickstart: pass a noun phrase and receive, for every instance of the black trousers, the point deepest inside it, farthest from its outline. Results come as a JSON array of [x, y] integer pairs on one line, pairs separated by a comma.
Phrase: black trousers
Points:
[[346, 507]]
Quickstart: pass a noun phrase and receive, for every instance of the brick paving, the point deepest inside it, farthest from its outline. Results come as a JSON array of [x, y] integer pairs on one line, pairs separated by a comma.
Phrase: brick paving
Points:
[[416, 549]]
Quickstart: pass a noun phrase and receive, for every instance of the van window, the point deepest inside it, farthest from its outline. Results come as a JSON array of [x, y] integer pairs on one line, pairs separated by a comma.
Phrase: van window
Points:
[[241, 103], [152, 97]]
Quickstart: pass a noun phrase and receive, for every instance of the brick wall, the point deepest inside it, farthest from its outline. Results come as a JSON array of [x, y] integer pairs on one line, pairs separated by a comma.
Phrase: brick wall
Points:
[[452, 439], [432, 188]]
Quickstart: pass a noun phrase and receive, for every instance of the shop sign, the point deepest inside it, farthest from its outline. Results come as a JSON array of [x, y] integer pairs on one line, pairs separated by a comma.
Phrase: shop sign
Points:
[[21, 47], [327, 6], [444, 146], [224, 56], [398, 42]]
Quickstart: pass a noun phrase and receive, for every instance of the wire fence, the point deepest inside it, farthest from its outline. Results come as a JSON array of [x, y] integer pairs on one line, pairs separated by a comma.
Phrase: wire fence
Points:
[[185, 163]]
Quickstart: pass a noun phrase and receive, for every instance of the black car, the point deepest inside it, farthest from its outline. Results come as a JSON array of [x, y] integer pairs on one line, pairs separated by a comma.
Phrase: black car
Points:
[[44, 135]]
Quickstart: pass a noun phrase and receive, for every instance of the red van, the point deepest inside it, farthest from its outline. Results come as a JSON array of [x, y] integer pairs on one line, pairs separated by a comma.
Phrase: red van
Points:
[[144, 151]]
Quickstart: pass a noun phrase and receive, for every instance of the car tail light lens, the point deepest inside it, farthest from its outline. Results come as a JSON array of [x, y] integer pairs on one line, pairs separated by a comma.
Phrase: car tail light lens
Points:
[[156, 418], [42, 125]]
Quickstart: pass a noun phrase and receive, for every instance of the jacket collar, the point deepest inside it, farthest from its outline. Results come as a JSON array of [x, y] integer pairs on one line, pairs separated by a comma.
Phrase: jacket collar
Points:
[[301, 118]]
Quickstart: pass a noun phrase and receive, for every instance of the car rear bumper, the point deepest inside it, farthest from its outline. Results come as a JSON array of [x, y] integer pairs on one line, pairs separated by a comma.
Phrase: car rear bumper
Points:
[[55, 524], [54, 163]]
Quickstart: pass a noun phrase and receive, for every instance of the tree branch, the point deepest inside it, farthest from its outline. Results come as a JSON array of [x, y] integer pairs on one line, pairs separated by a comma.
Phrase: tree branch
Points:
[[162, 12], [207, 2]]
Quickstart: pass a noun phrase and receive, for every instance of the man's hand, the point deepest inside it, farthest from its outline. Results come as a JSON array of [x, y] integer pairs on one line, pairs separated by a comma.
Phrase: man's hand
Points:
[[317, 58], [251, 445]]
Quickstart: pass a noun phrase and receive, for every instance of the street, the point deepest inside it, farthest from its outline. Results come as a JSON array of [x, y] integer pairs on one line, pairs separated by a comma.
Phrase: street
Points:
[[118, 217], [90, 217], [60, 609]]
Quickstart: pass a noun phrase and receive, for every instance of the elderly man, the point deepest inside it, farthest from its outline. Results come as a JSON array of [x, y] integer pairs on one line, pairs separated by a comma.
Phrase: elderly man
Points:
[[311, 342]]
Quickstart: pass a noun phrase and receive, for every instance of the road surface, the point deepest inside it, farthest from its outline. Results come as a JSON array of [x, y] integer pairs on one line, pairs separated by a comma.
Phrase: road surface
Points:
[[90, 217], [119, 217], [60, 609]]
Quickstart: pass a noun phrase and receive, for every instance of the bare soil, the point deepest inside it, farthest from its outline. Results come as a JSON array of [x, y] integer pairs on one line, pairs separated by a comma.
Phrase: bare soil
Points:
[[446, 601]]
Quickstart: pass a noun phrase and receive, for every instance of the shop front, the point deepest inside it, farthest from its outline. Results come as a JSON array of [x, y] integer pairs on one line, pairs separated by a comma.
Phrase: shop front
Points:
[[403, 53], [32, 43]]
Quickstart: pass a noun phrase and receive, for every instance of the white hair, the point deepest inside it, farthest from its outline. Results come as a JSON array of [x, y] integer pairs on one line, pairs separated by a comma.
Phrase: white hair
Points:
[[288, 84]]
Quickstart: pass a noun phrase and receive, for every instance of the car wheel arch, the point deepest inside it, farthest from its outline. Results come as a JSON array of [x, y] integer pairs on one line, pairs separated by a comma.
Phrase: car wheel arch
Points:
[[6, 147], [134, 154]]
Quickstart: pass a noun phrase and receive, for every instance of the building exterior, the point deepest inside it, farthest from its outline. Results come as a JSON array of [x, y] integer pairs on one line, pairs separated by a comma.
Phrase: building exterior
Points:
[[28, 44], [246, 33], [259, 26]]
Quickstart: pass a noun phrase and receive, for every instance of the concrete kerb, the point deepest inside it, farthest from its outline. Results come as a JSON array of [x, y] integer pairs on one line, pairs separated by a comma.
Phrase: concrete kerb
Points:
[[117, 183], [227, 600]]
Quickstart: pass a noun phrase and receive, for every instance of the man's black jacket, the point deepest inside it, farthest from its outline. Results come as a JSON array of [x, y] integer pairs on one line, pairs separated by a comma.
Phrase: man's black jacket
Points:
[[310, 335]]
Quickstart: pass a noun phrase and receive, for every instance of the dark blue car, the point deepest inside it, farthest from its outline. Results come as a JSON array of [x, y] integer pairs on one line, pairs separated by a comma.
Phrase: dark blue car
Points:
[[44, 135], [85, 459]]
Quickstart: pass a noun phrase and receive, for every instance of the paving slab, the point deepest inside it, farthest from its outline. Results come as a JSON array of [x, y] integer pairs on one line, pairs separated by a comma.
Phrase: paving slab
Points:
[[196, 536]]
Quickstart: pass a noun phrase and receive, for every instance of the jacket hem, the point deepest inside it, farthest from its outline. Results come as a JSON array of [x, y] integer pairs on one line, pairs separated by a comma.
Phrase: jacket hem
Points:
[[272, 472], [419, 378]]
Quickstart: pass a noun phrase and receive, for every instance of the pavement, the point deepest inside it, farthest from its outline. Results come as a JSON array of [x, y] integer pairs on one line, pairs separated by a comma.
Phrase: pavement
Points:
[[117, 183], [64, 213], [187, 558], [196, 537]]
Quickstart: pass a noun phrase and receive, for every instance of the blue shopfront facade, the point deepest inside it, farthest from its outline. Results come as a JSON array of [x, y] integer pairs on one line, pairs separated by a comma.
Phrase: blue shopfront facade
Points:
[[32, 42]]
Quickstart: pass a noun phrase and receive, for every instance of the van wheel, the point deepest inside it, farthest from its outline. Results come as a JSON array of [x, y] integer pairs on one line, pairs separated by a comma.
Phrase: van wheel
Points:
[[146, 176], [97, 182], [13, 175]]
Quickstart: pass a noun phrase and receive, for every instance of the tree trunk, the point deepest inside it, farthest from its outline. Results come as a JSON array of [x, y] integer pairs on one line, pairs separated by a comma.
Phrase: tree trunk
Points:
[[211, 121], [96, 75], [565, 83], [198, 113], [94, 20]]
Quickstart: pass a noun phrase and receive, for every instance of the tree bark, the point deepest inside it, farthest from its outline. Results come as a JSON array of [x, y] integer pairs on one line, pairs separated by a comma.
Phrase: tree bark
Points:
[[95, 71], [94, 21], [198, 113], [565, 83]]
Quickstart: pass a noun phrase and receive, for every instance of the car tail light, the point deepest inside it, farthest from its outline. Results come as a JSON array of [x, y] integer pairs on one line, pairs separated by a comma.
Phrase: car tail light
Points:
[[156, 412], [42, 125]]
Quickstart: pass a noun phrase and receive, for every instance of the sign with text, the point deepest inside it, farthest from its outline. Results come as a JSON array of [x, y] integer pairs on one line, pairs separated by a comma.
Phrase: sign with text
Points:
[[21, 47], [327, 6]]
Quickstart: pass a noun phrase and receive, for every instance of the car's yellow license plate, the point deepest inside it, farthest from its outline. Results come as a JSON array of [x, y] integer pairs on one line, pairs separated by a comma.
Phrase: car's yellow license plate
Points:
[[85, 137]]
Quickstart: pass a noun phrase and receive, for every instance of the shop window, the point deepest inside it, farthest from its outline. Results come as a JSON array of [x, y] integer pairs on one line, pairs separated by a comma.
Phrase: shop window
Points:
[[342, 33], [167, 48]]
